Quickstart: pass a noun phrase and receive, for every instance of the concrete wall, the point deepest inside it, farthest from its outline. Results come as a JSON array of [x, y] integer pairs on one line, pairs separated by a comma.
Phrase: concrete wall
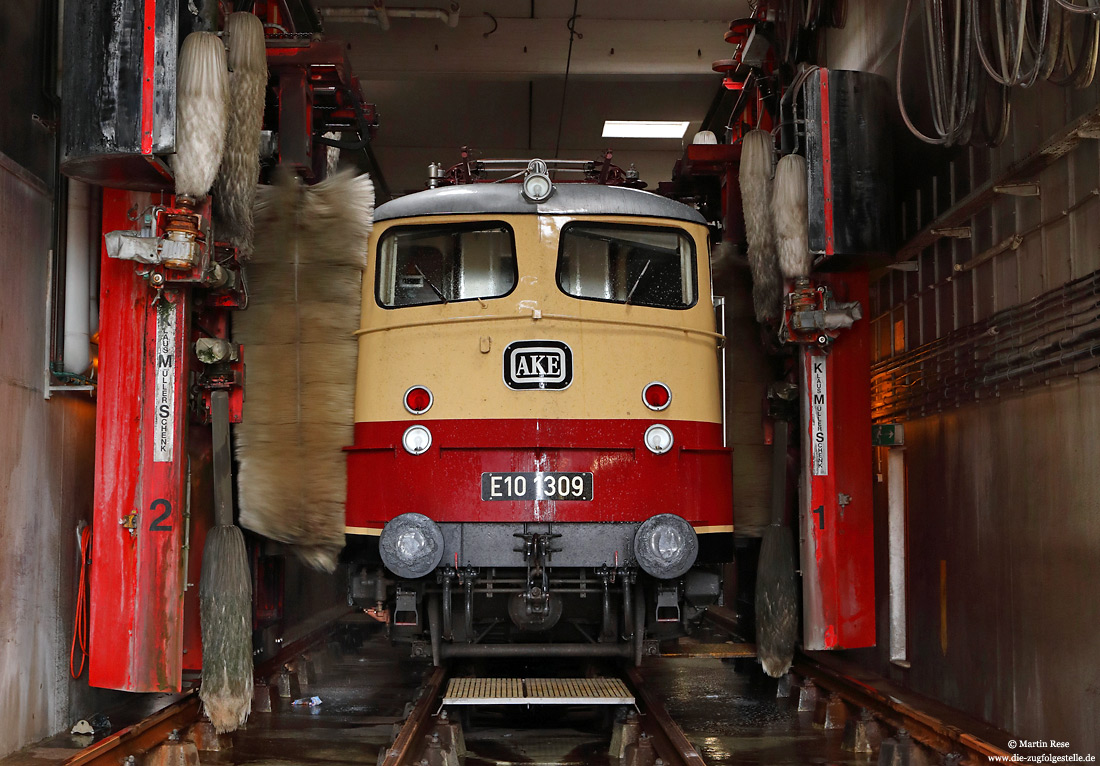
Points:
[[1002, 494], [46, 463], [46, 447]]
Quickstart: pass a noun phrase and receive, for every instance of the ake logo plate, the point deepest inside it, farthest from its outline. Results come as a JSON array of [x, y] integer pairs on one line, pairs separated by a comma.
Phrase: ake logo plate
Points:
[[538, 365]]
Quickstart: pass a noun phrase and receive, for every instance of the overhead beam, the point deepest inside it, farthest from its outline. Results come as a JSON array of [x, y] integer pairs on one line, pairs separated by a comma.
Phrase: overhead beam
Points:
[[532, 48]]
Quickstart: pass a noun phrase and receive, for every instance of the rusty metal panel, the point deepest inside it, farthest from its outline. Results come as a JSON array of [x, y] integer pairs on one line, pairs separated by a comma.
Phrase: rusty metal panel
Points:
[[1006, 280], [1022, 536], [1085, 257], [1057, 245]]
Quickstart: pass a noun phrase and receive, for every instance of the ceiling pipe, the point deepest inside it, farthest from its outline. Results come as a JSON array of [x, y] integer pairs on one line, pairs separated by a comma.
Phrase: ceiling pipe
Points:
[[379, 14]]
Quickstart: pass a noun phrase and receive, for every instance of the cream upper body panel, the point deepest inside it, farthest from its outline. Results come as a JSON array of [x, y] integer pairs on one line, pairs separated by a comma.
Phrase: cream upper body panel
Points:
[[456, 349]]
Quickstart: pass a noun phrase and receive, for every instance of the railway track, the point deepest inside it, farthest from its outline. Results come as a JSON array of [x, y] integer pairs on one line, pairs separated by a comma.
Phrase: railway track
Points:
[[141, 738], [911, 718], [841, 695], [431, 736], [875, 715]]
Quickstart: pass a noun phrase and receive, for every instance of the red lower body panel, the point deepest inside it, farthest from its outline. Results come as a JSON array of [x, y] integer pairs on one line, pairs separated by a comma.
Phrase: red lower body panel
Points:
[[630, 483]]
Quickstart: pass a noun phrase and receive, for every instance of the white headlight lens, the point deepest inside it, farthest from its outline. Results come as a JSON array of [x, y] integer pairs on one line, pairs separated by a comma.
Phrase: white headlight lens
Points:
[[416, 440], [658, 439], [537, 187]]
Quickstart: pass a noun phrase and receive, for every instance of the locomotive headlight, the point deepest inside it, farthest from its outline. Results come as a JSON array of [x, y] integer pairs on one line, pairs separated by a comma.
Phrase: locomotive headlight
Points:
[[658, 439], [666, 546], [416, 440], [537, 186], [411, 545]]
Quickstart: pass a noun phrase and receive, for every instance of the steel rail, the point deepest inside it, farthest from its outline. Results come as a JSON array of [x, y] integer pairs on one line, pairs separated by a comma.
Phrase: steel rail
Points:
[[410, 740], [153, 730], [142, 736], [922, 725], [668, 738]]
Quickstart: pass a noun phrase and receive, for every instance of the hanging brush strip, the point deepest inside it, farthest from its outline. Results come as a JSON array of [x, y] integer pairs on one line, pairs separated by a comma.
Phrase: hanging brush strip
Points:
[[306, 281], [755, 180], [235, 189], [201, 98]]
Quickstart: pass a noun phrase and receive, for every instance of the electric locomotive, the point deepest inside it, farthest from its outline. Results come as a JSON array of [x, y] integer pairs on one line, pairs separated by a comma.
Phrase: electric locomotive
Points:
[[539, 458]]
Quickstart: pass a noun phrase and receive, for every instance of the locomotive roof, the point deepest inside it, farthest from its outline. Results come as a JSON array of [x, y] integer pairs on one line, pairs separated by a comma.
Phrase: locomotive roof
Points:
[[567, 199]]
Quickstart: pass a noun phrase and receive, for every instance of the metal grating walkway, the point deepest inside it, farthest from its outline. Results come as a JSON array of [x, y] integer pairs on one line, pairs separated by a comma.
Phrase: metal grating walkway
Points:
[[537, 691]]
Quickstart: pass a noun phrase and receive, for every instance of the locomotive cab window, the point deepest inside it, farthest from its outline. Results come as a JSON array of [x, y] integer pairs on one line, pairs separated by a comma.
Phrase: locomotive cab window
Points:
[[422, 265], [635, 265]]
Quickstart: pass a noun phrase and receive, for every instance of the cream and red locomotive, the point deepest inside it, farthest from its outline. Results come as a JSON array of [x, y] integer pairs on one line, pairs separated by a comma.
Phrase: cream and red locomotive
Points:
[[539, 457]]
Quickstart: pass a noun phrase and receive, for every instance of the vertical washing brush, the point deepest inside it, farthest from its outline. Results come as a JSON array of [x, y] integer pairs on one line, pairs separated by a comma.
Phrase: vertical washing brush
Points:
[[777, 603], [202, 87], [225, 594], [235, 189], [225, 590], [789, 208], [755, 178]]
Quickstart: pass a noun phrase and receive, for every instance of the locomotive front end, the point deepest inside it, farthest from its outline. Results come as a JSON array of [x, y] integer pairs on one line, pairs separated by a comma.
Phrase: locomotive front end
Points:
[[539, 463]]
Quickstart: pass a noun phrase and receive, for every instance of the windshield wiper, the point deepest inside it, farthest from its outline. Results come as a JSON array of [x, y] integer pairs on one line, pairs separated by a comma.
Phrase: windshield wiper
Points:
[[435, 289], [637, 282]]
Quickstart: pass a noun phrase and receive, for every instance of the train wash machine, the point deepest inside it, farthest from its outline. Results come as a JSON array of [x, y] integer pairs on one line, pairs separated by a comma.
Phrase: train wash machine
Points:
[[846, 185], [167, 367], [811, 224], [149, 110]]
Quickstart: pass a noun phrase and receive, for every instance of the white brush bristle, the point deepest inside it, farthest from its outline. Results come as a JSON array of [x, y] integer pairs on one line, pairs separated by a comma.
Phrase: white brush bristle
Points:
[[306, 287], [789, 206], [235, 192], [202, 87], [755, 178], [332, 155]]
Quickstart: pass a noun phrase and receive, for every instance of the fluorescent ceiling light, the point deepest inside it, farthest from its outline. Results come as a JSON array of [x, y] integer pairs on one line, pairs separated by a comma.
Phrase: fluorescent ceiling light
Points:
[[644, 129]]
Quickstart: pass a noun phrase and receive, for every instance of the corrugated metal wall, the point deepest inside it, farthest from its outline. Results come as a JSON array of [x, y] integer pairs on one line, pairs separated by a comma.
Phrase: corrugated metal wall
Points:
[[1002, 487]]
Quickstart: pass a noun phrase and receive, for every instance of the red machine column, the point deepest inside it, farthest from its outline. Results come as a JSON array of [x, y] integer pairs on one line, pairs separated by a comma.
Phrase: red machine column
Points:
[[137, 578], [836, 523]]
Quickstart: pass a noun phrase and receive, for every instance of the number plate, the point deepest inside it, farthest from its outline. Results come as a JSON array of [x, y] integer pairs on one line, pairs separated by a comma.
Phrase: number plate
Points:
[[524, 485]]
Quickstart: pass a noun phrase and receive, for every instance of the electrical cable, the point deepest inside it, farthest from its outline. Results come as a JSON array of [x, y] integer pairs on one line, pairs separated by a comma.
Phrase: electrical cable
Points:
[[80, 620], [1076, 68], [1011, 42], [951, 72], [987, 132], [1093, 7], [572, 25]]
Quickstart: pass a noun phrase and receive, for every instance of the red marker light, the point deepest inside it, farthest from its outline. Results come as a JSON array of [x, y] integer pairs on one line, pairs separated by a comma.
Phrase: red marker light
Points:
[[418, 400], [656, 396]]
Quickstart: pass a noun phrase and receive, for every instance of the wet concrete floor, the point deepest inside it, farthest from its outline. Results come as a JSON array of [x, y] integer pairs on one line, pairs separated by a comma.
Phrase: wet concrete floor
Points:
[[729, 711]]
